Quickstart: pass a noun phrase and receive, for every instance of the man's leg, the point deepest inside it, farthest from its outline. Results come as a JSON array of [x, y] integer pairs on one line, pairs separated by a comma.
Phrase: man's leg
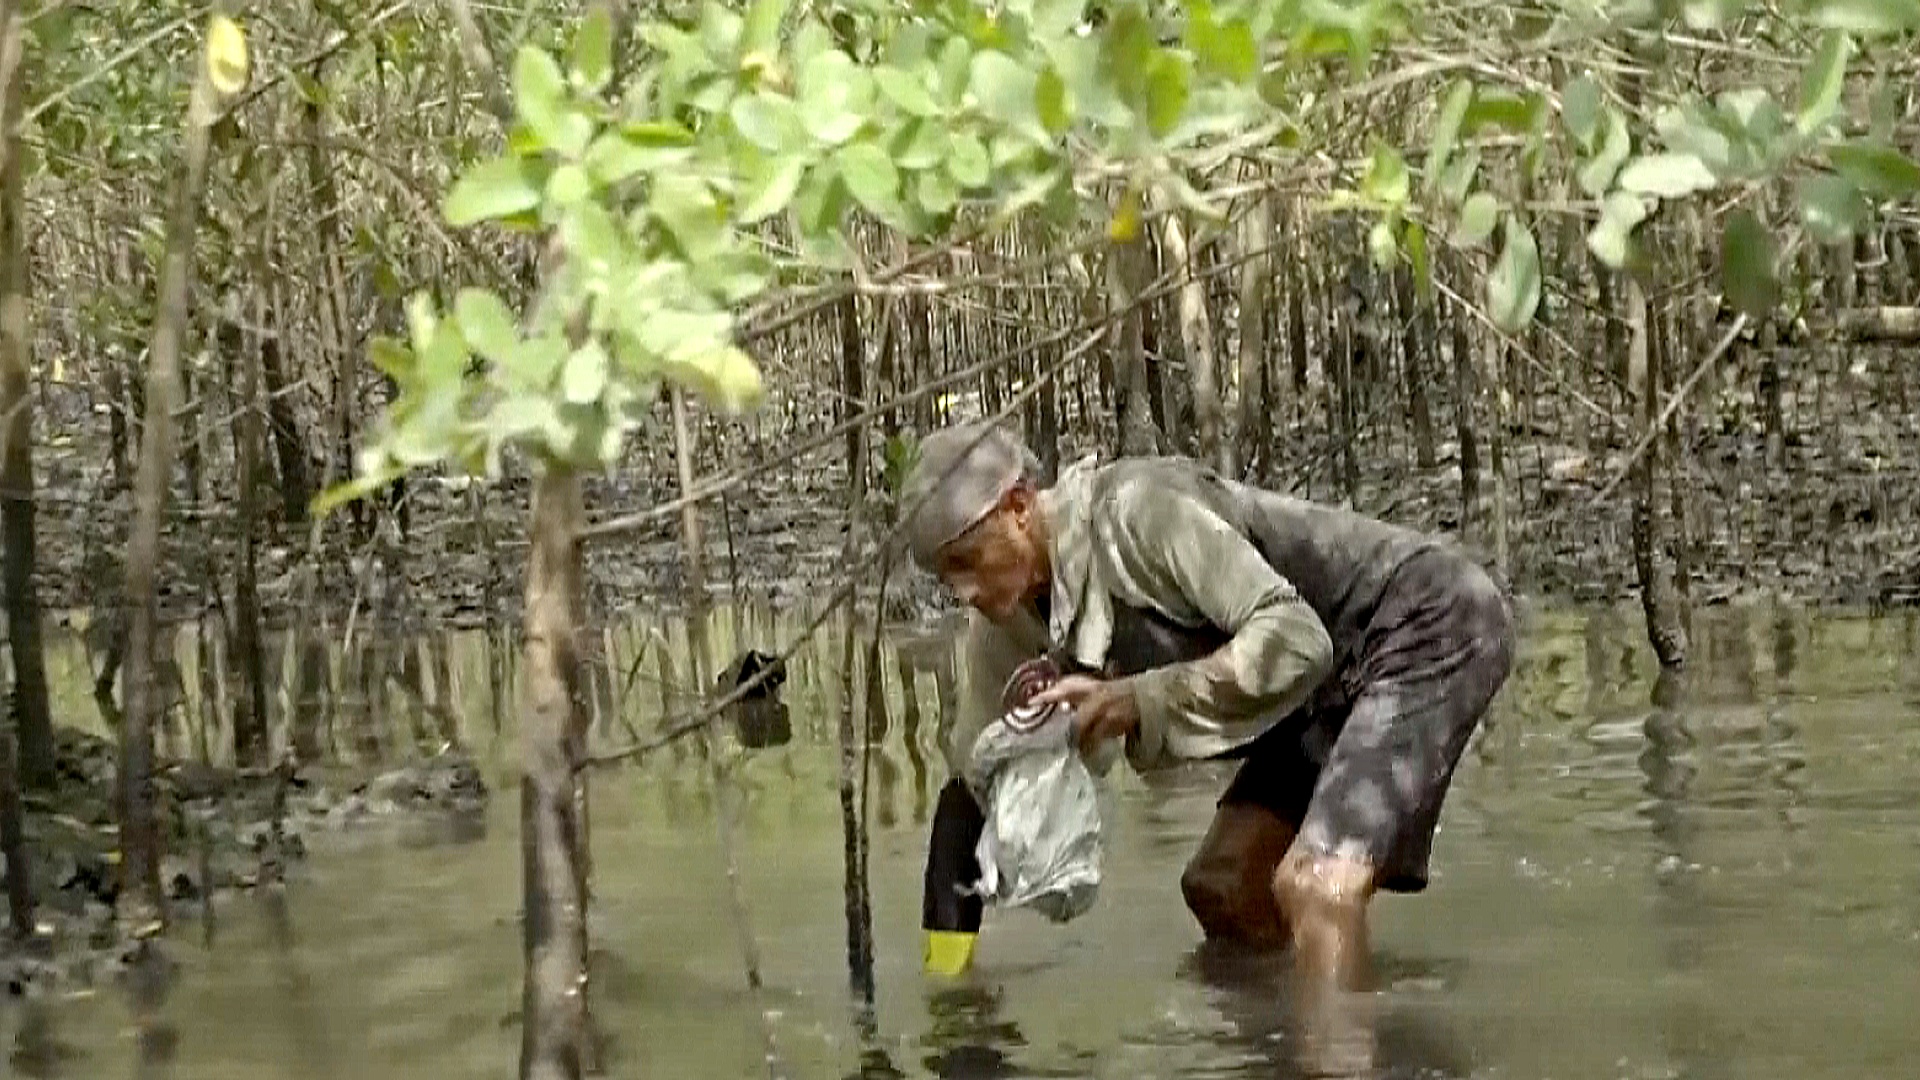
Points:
[[1445, 648], [1228, 884]]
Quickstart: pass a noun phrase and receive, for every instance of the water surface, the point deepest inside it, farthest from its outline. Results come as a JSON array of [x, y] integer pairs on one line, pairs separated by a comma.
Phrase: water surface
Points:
[[1719, 884]]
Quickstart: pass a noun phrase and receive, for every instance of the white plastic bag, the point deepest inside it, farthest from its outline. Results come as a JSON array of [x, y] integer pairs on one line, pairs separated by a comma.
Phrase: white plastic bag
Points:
[[1041, 844]]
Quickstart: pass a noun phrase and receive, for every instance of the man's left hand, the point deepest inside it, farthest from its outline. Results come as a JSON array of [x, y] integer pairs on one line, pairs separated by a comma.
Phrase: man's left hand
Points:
[[1103, 708]]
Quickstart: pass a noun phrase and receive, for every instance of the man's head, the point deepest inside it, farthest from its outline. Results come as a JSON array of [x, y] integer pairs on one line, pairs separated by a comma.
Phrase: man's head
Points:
[[980, 529]]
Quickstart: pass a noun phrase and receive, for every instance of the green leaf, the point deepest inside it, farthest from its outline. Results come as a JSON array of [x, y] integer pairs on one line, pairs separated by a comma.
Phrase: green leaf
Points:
[[1446, 130], [1746, 265], [1500, 109], [1414, 242], [834, 97], [540, 101], [491, 190], [1169, 83], [936, 193], [1666, 175], [1581, 108], [1005, 90], [907, 92], [871, 177], [762, 30], [968, 166], [687, 209], [1386, 179], [1611, 241], [532, 364], [1868, 17], [771, 190], [1478, 216], [1050, 102], [920, 144], [585, 375], [591, 236], [592, 57], [615, 156], [1876, 169], [1513, 288], [568, 185], [1831, 206], [486, 324], [767, 120], [1616, 147], [1382, 246], [1459, 175], [1825, 78]]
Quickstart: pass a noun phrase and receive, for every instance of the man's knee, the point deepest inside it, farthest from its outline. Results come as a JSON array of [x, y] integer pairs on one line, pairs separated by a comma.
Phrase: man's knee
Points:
[[1227, 883]]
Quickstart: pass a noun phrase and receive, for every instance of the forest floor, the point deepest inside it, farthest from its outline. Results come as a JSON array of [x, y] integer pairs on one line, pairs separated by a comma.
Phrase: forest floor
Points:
[[1832, 522]]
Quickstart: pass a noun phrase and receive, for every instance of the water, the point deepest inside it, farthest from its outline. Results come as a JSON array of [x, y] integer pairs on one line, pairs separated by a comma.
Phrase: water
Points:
[[1722, 887]]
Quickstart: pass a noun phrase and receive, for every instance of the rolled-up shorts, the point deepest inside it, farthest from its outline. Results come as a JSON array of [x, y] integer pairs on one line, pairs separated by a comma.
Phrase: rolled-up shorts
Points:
[[1363, 770]]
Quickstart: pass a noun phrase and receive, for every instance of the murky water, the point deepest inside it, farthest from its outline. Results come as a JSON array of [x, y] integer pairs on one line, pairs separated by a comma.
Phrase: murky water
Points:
[[1722, 886]]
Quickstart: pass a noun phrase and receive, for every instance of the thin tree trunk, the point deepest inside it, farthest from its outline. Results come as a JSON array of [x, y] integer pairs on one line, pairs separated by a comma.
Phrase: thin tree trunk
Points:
[[1657, 601], [701, 660], [141, 902], [33, 723], [1495, 388], [1415, 341], [251, 741], [1196, 340], [1465, 394], [554, 994], [1126, 264], [13, 842], [1255, 427]]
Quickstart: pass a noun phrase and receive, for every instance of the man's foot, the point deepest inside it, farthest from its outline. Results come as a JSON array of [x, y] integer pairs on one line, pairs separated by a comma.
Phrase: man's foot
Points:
[[1228, 883], [1323, 902]]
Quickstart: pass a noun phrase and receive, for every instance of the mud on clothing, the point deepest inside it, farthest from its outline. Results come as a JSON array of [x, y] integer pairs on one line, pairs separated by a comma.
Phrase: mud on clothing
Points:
[[1344, 660]]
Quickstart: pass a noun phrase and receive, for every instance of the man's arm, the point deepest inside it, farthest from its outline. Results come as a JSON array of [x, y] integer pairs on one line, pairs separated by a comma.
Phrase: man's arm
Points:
[[1174, 546]]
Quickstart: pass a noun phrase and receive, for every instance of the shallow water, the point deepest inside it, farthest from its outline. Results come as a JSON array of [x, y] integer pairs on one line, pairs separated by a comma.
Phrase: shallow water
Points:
[[1719, 887]]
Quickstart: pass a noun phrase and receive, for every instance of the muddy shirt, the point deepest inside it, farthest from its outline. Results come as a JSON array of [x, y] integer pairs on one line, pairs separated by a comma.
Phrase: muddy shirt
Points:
[[1287, 585]]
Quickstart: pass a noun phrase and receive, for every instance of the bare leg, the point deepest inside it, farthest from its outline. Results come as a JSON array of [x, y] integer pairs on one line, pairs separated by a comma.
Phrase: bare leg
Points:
[[1323, 901], [1228, 884]]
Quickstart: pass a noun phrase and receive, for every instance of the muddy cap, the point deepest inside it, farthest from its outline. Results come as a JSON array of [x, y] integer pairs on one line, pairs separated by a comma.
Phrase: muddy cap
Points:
[[966, 468]]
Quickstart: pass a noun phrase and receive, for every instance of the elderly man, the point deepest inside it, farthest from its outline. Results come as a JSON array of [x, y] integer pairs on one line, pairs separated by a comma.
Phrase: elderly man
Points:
[[1341, 660]]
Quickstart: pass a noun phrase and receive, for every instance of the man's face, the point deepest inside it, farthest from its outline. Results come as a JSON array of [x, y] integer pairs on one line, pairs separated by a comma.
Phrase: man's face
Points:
[[998, 563]]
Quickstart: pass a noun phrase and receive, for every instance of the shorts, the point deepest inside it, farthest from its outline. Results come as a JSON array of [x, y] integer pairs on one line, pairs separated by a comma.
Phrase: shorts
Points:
[[1363, 770]]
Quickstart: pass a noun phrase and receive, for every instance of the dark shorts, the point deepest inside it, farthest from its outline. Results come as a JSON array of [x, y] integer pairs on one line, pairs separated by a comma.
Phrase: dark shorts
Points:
[[1363, 770]]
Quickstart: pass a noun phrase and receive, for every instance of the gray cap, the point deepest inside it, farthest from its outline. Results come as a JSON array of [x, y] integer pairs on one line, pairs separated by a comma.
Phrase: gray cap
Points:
[[967, 468]]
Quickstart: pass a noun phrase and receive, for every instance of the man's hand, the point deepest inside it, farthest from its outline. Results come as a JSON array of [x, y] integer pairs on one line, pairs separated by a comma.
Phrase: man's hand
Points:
[[1103, 709]]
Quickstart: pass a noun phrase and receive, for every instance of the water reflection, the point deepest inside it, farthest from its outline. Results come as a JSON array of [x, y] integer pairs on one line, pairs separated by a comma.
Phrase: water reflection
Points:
[[1639, 875]]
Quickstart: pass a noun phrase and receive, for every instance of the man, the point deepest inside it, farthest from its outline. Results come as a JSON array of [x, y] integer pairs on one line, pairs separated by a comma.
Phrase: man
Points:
[[1342, 660]]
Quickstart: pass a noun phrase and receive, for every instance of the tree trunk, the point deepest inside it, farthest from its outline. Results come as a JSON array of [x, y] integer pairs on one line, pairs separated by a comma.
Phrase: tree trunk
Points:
[[1495, 388], [251, 743], [1196, 341], [554, 994], [1126, 265], [142, 904], [1465, 394], [1255, 428], [33, 723], [1415, 342], [13, 841], [1657, 601]]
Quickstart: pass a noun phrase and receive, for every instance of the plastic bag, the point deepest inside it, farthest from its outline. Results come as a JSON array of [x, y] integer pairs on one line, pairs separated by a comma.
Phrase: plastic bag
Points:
[[1041, 845]]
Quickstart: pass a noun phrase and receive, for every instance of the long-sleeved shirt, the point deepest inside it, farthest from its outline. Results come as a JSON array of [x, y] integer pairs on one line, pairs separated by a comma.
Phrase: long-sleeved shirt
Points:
[[1288, 585]]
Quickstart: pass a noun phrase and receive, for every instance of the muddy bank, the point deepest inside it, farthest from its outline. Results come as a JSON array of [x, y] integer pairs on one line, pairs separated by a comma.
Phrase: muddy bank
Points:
[[227, 832], [1833, 520]]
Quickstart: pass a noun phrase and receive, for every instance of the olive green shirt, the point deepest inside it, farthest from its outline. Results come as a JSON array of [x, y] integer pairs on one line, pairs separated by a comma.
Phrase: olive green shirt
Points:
[[1135, 533]]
